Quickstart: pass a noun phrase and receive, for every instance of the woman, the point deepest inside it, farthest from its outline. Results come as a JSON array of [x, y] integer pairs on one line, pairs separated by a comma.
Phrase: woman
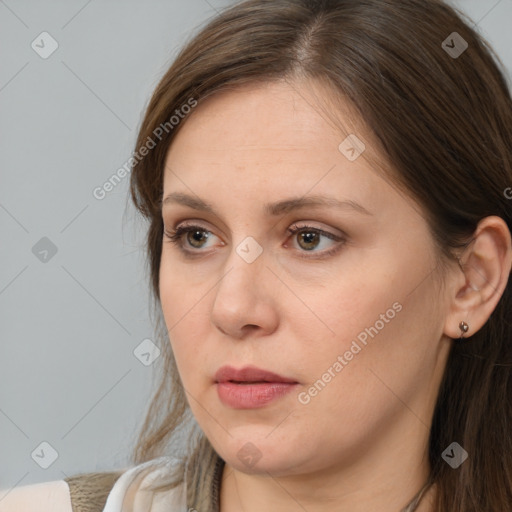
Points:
[[327, 185]]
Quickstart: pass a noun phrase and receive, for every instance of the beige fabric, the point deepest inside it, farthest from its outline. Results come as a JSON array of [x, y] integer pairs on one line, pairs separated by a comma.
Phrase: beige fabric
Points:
[[96, 492], [138, 499], [89, 491], [42, 497], [129, 495]]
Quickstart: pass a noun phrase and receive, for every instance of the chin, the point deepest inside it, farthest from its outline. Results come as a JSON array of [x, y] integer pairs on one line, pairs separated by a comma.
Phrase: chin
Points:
[[260, 454]]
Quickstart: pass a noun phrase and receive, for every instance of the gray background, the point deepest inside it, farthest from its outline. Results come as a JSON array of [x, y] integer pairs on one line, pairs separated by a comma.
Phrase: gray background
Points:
[[69, 323]]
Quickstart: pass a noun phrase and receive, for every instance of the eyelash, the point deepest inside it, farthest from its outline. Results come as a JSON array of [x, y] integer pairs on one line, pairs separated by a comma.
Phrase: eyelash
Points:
[[176, 235]]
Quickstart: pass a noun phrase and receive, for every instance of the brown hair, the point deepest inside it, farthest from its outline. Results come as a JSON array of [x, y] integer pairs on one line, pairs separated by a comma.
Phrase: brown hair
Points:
[[445, 125]]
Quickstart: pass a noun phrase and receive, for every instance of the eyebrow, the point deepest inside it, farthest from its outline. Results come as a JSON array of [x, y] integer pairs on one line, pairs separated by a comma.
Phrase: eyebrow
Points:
[[273, 209]]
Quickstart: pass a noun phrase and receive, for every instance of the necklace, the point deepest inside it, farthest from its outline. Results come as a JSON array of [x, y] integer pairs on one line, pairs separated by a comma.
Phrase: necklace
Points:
[[412, 506]]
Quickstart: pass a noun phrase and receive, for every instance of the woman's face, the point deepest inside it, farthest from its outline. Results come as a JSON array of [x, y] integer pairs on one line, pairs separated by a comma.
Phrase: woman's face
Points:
[[347, 308]]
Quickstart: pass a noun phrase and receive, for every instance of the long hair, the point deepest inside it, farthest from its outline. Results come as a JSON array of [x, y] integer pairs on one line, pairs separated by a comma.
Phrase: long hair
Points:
[[442, 116]]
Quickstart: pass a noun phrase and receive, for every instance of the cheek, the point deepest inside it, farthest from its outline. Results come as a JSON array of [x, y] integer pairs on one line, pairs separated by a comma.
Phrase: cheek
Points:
[[370, 326], [184, 316], [182, 288], [337, 316]]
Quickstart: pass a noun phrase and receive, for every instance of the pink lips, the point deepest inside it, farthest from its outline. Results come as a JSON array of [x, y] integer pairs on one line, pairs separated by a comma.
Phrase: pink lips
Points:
[[250, 387]]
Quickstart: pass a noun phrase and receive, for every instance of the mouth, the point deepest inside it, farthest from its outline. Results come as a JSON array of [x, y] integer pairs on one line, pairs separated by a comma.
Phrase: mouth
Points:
[[250, 387], [249, 382], [250, 375], [251, 395]]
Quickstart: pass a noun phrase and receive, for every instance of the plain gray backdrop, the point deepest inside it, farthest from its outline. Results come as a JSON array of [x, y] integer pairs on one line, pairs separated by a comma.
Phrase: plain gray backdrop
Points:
[[75, 382]]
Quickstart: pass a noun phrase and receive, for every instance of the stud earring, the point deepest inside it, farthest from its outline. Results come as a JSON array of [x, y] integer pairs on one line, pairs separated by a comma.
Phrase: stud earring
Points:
[[464, 327]]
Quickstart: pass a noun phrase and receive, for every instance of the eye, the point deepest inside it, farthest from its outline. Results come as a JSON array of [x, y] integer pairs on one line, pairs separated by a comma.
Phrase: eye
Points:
[[309, 239], [195, 235]]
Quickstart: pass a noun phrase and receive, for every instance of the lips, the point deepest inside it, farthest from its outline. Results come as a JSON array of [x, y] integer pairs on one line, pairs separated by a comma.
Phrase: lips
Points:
[[249, 374], [251, 387]]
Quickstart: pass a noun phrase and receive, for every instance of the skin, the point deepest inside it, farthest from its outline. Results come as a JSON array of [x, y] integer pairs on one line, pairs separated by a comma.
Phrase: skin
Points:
[[361, 443]]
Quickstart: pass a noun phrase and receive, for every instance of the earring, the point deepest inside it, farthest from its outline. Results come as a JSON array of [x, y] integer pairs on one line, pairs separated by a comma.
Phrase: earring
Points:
[[464, 327]]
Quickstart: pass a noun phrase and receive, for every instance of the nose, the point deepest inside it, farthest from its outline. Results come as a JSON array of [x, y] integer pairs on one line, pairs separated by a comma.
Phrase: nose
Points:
[[245, 298]]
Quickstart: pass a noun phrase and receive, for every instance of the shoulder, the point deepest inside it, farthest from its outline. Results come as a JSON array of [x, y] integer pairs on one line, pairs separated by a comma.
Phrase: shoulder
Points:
[[115, 491], [133, 492], [89, 491], [85, 492], [39, 497]]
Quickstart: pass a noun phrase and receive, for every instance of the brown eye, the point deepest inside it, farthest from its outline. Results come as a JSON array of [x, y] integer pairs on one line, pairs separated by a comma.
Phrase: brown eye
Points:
[[196, 236], [310, 239]]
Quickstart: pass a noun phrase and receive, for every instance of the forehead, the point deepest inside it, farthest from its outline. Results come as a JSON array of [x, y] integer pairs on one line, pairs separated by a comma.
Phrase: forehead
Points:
[[268, 141], [263, 126], [273, 115]]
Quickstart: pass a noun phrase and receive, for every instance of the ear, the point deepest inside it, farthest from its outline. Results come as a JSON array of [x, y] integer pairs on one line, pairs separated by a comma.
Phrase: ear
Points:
[[481, 280]]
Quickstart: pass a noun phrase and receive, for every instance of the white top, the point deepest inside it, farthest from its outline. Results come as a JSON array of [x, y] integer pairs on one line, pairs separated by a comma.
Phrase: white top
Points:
[[125, 495]]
